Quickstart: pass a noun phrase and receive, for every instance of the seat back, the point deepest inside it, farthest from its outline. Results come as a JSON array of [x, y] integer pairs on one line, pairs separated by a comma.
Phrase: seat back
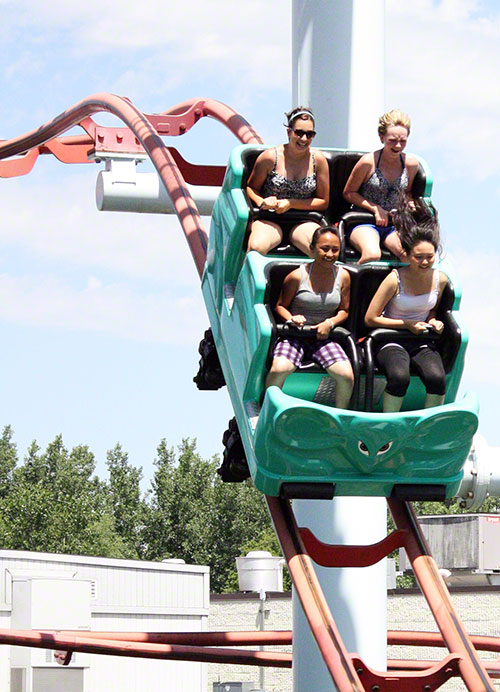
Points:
[[340, 165]]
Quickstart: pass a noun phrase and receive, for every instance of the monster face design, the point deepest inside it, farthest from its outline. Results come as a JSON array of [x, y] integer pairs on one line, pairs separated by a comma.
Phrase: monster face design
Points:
[[413, 443]]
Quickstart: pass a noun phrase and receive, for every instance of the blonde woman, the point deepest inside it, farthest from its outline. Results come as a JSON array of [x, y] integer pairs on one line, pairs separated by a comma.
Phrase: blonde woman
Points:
[[376, 183]]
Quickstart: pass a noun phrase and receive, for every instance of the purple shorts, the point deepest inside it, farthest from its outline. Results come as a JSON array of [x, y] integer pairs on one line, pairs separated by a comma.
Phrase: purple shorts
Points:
[[325, 353]]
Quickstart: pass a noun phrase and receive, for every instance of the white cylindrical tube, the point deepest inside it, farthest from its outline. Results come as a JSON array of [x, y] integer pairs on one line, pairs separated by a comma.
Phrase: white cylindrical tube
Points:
[[145, 193]]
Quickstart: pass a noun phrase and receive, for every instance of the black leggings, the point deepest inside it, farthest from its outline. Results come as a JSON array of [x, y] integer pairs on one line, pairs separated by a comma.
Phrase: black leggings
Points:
[[395, 361]]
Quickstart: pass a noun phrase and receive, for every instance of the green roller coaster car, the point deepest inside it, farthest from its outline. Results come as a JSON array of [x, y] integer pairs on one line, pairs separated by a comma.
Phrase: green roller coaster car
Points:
[[296, 442]]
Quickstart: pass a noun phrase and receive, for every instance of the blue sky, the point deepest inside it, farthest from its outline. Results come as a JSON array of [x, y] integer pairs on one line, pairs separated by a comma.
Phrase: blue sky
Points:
[[101, 313]]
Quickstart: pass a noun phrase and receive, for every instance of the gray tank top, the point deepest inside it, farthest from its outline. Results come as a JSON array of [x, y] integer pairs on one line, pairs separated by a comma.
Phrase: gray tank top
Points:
[[316, 307]]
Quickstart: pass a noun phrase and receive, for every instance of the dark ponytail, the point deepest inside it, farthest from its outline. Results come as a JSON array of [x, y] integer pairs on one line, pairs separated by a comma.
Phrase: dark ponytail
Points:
[[416, 224]]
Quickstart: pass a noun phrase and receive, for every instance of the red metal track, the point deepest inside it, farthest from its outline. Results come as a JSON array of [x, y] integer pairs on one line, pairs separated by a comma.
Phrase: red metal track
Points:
[[437, 595], [347, 670], [142, 134], [90, 645]]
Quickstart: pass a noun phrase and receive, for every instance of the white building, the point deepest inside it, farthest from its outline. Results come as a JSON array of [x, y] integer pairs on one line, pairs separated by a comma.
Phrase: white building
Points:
[[48, 591]]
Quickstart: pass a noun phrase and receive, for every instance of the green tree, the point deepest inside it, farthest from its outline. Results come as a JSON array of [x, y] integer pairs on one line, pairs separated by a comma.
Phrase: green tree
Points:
[[194, 516], [180, 505], [8, 460], [56, 504], [125, 499]]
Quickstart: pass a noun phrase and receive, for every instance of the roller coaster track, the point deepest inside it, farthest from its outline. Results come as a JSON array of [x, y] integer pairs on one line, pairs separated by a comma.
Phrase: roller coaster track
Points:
[[143, 134]]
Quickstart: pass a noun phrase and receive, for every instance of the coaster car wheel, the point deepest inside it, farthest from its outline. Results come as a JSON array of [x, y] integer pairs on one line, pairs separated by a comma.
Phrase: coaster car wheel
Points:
[[234, 468], [209, 375]]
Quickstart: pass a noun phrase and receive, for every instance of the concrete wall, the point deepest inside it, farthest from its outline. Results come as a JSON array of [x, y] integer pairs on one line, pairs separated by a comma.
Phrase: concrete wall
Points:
[[240, 612], [479, 609]]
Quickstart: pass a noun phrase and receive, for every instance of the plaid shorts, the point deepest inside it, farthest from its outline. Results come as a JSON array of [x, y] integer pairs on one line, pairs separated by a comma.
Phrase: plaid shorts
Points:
[[325, 353]]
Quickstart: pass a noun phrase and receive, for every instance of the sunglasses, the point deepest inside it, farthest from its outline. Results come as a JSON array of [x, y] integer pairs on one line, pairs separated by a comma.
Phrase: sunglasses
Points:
[[301, 133]]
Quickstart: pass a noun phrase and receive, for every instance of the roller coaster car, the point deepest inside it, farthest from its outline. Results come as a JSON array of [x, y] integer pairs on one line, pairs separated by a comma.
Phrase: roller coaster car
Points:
[[297, 444]]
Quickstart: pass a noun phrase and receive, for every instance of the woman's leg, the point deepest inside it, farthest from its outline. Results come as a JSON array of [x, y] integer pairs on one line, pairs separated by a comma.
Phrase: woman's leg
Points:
[[390, 403], [264, 236], [428, 364], [394, 362], [301, 236], [341, 371], [367, 241], [432, 400], [393, 244], [281, 367]]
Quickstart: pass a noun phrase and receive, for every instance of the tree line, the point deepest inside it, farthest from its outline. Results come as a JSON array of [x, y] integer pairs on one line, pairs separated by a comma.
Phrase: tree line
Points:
[[54, 502]]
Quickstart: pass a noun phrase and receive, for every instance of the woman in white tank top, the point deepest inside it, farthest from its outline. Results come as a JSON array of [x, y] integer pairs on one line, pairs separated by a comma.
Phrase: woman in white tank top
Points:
[[407, 299]]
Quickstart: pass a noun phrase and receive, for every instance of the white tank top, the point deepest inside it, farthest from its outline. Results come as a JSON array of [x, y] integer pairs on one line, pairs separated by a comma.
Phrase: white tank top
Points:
[[404, 306]]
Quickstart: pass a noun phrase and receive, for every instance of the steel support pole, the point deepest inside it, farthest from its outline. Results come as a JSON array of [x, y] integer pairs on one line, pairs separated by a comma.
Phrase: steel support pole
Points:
[[338, 70]]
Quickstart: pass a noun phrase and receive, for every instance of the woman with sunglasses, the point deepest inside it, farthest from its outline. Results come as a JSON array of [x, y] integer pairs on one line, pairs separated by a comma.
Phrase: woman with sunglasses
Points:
[[290, 176], [375, 184]]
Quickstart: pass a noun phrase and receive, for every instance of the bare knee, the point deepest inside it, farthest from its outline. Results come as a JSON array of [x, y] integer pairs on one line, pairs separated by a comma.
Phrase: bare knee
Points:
[[366, 241], [264, 237], [301, 236], [280, 369], [342, 371], [258, 244]]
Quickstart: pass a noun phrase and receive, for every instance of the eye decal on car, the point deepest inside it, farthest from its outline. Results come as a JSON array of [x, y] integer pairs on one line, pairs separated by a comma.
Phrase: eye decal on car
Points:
[[385, 448], [363, 448]]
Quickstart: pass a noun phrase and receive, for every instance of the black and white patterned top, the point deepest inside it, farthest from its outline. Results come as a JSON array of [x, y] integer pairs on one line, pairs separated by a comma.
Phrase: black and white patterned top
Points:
[[377, 189], [276, 185]]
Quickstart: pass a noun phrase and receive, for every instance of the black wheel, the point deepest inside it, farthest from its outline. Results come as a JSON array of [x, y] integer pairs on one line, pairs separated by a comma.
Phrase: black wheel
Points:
[[234, 467], [210, 375]]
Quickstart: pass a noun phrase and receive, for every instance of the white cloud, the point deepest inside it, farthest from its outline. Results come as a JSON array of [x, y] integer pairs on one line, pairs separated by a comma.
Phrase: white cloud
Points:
[[60, 223], [249, 40], [443, 60], [115, 309]]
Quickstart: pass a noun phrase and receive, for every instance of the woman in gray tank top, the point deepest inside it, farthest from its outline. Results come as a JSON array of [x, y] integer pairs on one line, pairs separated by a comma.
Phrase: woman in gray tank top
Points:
[[316, 294], [377, 182]]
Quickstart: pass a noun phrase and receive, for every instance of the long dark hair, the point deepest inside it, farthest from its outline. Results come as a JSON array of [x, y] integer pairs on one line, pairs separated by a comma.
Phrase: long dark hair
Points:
[[416, 224]]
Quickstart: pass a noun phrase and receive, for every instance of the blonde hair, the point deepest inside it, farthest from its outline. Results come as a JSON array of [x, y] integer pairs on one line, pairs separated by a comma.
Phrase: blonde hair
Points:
[[392, 118]]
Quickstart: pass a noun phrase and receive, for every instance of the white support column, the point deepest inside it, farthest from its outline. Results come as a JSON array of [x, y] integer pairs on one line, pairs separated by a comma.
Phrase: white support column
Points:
[[338, 70]]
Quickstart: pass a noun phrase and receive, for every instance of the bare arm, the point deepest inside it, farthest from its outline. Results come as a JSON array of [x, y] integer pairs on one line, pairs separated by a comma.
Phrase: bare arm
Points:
[[431, 318], [411, 164], [288, 290], [263, 165], [343, 311], [359, 174]]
